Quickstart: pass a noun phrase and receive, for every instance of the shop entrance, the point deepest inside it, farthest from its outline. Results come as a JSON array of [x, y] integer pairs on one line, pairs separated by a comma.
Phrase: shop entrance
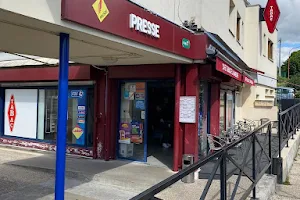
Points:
[[146, 122], [161, 102]]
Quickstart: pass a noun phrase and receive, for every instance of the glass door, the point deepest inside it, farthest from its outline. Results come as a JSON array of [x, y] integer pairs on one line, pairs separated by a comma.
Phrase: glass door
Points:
[[132, 134], [203, 119], [229, 110]]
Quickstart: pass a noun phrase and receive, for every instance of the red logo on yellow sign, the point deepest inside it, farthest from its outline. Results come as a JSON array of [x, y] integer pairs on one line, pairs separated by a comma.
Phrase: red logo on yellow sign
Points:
[[100, 9], [77, 132], [12, 112]]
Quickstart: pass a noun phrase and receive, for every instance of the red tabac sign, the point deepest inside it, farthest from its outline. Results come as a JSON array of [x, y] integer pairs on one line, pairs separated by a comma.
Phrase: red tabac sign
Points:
[[223, 67], [128, 20], [248, 80], [271, 15], [12, 112]]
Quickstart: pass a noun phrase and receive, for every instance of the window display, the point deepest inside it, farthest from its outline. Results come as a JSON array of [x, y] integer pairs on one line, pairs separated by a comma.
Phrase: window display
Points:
[[203, 119], [32, 113], [132, 120], [77, 114]]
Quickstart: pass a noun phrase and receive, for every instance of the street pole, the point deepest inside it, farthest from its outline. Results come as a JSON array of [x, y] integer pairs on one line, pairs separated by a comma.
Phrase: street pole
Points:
[[279, 57], [62, 117], [289, 67]]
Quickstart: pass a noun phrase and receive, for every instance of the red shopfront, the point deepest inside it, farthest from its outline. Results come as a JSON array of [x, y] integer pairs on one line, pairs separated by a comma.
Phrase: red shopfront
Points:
[[185, 80], [155, 85]]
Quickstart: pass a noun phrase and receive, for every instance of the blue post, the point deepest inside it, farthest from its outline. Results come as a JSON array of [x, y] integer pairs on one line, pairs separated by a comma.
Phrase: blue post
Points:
[[62, 117]]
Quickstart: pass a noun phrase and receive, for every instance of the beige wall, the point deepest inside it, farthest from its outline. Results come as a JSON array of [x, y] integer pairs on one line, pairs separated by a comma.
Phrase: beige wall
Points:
[[176, 11], [246, 107]]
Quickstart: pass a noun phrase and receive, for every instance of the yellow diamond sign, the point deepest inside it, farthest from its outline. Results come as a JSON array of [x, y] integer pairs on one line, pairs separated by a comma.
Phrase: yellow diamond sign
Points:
[[77, 132], [101, 9]]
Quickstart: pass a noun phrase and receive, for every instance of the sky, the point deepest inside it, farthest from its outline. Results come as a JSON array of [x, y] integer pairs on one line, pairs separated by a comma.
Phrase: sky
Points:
[[288, 25]]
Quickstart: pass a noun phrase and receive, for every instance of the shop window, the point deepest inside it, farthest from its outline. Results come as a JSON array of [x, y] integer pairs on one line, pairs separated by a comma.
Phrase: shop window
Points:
[[238, 27], [229, 109], [270, 50], [80, 116], [222, 111], [132, 121]]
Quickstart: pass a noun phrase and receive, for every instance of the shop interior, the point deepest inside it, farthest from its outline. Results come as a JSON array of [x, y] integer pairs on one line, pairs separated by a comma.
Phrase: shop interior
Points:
[[146, 122], [161, 100]]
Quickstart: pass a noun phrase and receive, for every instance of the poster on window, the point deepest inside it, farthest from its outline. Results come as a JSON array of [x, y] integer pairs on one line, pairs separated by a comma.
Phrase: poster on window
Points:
[[79, 129], [20, 116], [137, 132]]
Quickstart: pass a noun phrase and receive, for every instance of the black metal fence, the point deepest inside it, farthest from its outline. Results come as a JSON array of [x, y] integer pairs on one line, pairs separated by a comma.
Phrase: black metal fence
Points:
[[288, 123], [245, 160], [285, 104]]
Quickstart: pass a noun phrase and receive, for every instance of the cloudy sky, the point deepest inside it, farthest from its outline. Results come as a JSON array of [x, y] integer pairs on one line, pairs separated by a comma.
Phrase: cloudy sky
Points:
[[288, 26]]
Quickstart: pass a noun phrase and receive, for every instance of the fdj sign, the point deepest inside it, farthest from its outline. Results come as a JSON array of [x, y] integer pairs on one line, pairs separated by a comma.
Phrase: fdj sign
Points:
[[186, 43], [77, 93], [143, 26]]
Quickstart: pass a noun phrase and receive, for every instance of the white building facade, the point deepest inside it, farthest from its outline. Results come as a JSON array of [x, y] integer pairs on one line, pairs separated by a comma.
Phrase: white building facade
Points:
[[239, 24]]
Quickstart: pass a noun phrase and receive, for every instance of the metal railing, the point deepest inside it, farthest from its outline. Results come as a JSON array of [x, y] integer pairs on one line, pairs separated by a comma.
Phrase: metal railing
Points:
[[251, 166], [288, 123]]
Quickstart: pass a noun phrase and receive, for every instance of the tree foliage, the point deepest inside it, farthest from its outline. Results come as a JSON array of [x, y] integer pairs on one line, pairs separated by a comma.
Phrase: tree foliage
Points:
[[294, 64]]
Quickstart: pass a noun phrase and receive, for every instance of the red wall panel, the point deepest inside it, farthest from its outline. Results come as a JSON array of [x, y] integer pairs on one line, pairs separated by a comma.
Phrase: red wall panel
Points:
[[142, 71], [191, 130], [82, 72], [215, 109]]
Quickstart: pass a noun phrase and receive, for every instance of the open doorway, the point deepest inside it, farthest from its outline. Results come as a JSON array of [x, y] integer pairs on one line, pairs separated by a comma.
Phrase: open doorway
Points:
[[161, 99]]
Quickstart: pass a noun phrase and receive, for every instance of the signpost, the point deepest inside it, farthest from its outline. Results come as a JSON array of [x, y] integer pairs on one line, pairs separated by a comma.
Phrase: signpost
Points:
[[271, 15]]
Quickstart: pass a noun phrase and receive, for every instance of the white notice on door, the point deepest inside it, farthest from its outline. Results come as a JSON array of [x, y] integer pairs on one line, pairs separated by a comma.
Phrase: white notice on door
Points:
[[187, 109]]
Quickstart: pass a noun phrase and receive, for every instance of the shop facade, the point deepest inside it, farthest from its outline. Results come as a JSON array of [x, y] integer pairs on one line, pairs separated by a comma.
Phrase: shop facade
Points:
[[113, 109], [30, 109]]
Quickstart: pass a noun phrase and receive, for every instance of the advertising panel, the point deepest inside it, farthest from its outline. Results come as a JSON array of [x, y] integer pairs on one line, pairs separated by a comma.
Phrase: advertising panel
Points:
[[20, 118]]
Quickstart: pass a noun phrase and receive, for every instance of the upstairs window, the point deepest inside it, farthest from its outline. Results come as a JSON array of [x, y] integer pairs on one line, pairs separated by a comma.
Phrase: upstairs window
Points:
[[270, 50], [238, 27], [231, 7], [264, 44], [232, 17]]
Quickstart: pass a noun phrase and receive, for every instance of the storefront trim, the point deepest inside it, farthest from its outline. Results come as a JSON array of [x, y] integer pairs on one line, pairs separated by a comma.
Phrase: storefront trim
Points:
[[227, 69], [142, 71], [45, 84], [43, 145], [106, 19], [14, 74], [248, 80]]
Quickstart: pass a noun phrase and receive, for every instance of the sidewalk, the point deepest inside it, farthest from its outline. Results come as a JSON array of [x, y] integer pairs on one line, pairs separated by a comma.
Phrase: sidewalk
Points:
[[30, 175], [290, 189]]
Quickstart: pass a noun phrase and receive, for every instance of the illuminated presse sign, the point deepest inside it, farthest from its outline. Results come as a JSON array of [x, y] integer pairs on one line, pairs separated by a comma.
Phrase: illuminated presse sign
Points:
[[143, 26]]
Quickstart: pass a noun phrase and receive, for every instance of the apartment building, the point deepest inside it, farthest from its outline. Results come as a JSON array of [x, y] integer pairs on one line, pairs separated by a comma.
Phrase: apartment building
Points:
[[241, 26]]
